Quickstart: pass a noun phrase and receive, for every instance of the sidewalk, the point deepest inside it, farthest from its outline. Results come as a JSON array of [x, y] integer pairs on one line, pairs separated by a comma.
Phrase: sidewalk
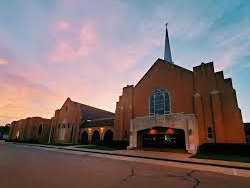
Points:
[[166, 156], [184, 158]]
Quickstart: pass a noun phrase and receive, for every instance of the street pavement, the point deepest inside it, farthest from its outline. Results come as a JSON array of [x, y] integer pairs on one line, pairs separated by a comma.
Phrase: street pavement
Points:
[[30, 167]]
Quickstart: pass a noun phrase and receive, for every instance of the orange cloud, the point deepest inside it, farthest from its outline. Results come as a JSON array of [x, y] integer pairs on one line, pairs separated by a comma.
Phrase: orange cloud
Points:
[[21, 98], [4, 61]]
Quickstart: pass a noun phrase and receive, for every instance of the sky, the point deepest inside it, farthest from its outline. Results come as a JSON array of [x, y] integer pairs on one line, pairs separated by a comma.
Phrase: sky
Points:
[[89, 50]]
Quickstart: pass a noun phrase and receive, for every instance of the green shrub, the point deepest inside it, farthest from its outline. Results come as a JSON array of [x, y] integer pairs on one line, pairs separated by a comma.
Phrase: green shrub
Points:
[[117, 144], [225, 149]]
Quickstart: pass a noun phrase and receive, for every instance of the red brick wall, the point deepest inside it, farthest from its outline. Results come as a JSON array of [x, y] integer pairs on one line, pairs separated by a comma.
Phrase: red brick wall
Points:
[[124, 113], [29, 129], [69, 117], [219, 106], [178, 82], [202, 92]]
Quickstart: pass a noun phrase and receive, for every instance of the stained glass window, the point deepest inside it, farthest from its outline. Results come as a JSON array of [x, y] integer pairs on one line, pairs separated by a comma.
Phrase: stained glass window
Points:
[[159, 102]]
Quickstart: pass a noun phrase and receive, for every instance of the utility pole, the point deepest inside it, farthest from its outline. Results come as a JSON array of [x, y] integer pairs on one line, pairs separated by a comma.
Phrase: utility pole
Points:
[[50, 132]]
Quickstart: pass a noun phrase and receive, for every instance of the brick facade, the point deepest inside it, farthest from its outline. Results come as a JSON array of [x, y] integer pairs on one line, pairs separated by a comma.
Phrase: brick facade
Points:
[[33, 129], [67, 121], [202, 92], [66, 126]]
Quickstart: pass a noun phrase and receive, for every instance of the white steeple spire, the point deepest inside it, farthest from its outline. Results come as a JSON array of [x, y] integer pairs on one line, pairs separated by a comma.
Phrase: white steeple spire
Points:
[[167, 51]]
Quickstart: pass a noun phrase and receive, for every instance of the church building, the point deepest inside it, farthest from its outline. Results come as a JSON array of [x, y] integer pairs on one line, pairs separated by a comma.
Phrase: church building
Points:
[[175, 107], [170, 107]]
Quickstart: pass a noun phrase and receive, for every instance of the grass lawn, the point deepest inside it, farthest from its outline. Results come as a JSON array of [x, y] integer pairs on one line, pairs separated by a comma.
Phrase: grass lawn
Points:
[[99, 147], [213, 156], [52, 144], [60, 144], [174, 150]]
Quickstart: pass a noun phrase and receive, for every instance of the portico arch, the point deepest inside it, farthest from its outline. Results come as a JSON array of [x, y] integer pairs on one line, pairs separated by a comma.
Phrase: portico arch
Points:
[[108, 137], [95, 137], [161, 138], [185, 122], [84, 138]]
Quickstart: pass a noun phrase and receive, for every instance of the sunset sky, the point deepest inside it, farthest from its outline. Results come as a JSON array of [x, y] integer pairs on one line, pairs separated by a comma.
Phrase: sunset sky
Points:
[[89, 50]]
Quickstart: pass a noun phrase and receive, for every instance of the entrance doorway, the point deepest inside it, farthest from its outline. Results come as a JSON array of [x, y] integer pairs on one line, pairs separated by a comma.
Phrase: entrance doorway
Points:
[[108, 137], [95, 138], [161, 138], [85, 139]]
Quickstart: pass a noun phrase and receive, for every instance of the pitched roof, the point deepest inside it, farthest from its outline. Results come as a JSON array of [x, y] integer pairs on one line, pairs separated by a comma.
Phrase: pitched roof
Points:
[[90, 112]]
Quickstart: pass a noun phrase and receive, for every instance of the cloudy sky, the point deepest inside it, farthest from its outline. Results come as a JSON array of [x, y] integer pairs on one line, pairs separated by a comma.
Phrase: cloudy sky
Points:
[[89, 50]]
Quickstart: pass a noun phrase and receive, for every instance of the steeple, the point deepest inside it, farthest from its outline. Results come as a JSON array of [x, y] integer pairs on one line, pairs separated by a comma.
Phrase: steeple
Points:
[[167, 51]]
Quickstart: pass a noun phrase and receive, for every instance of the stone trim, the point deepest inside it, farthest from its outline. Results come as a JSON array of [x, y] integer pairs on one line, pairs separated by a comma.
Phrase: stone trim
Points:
[[186, 122]]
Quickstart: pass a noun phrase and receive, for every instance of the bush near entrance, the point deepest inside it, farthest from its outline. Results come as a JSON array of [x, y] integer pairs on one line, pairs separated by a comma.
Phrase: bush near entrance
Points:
[[227, 152], [227, 149], [122, 144], [115, 145]]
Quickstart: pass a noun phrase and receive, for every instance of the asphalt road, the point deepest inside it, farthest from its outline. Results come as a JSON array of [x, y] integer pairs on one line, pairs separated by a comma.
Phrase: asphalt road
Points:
[[27, 167]]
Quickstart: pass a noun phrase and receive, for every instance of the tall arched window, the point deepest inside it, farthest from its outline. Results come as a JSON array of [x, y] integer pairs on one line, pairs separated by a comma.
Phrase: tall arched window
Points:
[[159, 102], [40, 130]]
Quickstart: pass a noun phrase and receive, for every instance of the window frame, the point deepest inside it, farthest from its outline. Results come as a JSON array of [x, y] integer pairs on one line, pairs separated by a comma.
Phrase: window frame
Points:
[[166, 94]]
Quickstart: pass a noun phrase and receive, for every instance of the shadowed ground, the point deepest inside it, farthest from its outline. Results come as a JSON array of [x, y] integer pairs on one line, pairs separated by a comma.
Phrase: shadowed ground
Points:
[[37, 168]]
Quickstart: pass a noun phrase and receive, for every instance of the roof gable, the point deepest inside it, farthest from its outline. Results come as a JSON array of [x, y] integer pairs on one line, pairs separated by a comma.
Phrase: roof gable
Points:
[[160, 62], [88, 112]]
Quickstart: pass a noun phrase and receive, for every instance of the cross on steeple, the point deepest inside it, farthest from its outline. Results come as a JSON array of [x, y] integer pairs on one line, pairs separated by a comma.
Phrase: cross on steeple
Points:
[[167, 51]]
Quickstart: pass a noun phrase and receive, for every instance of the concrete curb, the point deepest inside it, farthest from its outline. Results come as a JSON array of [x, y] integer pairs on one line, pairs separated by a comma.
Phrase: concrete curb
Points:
[[141, 157]]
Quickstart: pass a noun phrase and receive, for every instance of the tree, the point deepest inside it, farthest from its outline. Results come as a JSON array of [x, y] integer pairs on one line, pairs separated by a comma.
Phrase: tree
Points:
[[5, 129]]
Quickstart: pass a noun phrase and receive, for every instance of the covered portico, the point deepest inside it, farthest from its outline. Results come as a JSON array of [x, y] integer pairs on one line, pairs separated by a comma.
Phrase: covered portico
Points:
[[185, 122]]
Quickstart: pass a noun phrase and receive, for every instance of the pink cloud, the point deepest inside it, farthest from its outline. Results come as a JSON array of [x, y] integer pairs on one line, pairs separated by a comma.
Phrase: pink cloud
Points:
[[88, 39], [77, 46], [63, 52], [63, 25]]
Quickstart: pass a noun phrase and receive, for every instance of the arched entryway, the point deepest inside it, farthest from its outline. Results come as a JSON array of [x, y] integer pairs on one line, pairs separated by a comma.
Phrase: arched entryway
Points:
[[95, 138], [185, 122], [108, 137], [84, 137], [161, 138]]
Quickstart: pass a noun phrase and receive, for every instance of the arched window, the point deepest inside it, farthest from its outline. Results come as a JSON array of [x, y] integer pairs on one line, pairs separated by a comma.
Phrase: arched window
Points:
[[159, 102], [40, 130]]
